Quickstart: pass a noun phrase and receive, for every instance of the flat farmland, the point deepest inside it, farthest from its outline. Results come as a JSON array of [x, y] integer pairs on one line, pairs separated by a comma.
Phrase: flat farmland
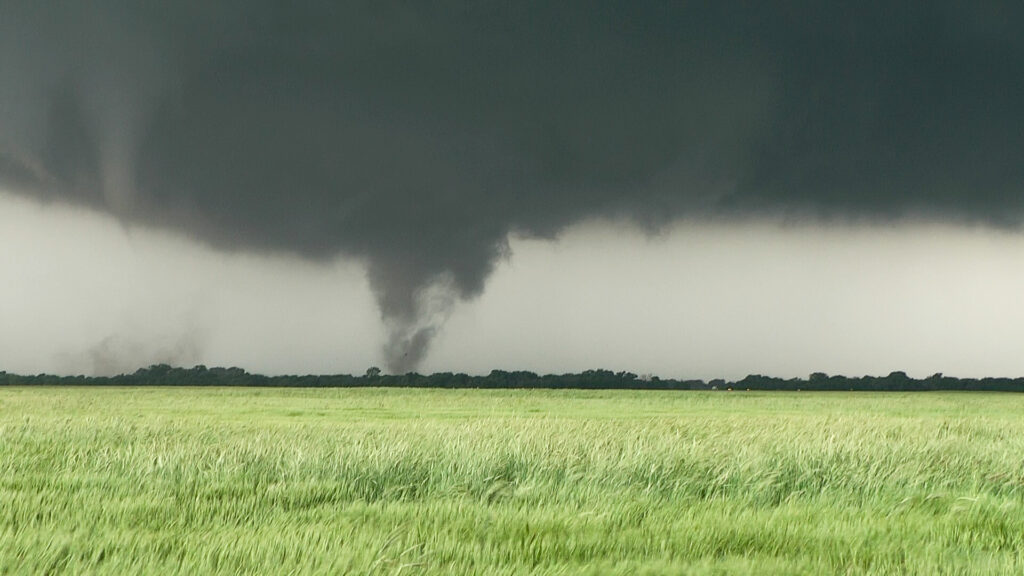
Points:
[[418, 481]]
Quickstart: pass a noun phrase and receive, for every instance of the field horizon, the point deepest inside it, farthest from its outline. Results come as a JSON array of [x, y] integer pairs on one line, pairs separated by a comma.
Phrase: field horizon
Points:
[[593, 379]]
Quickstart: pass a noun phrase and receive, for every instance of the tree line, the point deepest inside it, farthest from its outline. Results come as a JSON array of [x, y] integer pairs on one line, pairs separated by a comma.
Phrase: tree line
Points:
[[166, 375]]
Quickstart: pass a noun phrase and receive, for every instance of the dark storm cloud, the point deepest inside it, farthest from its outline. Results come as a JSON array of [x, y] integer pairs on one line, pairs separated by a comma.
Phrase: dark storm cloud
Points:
[[416, 136]]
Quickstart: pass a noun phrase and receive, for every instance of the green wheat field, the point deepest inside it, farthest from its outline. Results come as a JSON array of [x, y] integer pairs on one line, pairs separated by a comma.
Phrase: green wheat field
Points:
[[413, 481]]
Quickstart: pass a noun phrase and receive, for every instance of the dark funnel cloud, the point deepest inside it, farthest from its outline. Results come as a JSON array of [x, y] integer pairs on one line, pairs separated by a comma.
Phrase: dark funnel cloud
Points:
[[416, 136]]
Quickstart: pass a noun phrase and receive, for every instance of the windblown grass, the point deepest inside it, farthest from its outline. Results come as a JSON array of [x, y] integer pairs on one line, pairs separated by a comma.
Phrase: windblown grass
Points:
[[372, 481]]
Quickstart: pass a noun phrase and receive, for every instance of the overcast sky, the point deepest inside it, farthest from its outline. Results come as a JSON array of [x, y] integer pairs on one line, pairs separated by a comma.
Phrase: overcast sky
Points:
[[694, 189]]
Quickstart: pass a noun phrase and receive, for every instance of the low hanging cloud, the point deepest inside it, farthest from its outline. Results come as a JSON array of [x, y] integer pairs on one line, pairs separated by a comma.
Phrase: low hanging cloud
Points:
[[416, 137]]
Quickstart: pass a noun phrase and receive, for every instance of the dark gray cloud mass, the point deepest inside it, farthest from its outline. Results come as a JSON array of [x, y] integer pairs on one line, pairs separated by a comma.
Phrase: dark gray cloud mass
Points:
[[417, 135]]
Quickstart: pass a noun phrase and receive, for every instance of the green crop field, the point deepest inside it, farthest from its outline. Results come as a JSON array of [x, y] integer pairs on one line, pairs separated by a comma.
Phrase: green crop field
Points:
[[409, 481]]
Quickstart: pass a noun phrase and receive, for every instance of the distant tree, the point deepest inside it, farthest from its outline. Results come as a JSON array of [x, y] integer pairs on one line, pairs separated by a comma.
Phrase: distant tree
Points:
[[373, 372]]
